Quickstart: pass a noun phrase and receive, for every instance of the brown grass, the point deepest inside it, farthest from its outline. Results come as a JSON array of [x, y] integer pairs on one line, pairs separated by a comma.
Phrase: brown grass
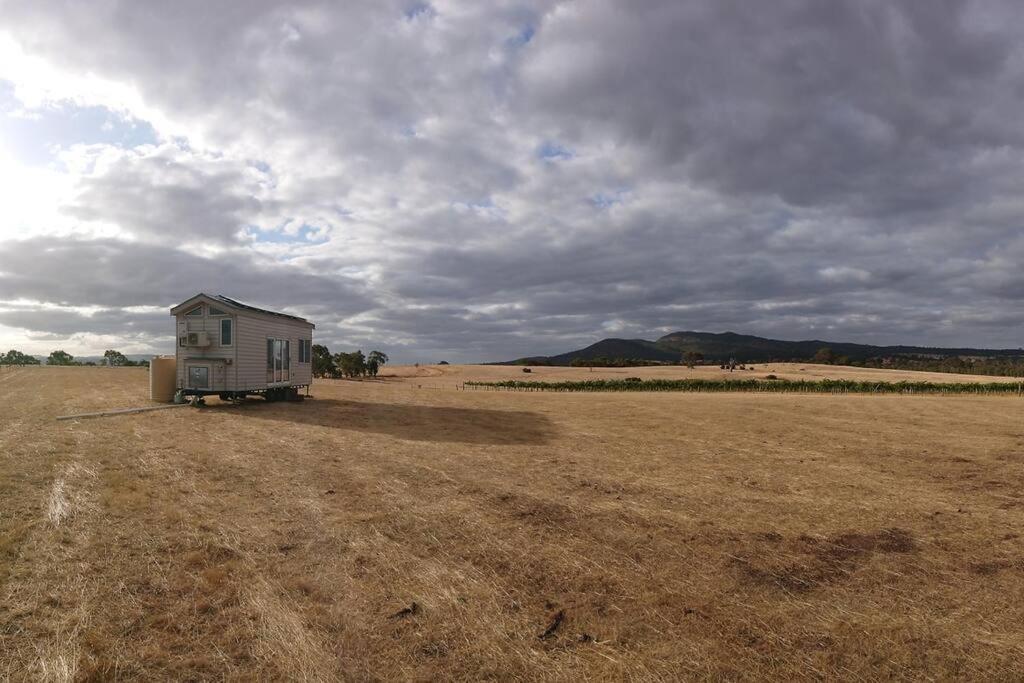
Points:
[[380, 531], [451, 375]]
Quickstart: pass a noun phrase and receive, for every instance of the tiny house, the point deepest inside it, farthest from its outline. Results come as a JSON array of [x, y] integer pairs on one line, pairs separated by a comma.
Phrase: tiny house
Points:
[[231, 349]]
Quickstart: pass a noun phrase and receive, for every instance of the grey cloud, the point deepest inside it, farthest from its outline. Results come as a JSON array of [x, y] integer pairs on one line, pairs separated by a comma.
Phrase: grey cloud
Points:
[[63, 323], [798, 168], [160, 198], [872, 105], [112, 273]]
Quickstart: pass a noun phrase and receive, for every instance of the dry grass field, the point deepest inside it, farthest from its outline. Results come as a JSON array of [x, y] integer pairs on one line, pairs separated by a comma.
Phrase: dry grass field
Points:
[[451, 375], [382, 531]]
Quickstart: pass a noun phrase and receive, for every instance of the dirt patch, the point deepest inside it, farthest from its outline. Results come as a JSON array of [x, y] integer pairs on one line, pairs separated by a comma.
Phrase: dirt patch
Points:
[[808, 562], [994, 567], [532, 510], [886, 541]]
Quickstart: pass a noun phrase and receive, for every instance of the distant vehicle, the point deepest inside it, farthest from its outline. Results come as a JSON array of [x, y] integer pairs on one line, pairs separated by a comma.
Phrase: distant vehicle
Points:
[[230, 349]]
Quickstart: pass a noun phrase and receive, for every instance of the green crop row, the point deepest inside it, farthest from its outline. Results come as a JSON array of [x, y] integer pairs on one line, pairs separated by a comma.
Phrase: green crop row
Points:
[[825, 386]]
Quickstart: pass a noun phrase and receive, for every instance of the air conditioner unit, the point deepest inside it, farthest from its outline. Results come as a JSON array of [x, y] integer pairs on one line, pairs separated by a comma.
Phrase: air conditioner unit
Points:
[[198, 339]]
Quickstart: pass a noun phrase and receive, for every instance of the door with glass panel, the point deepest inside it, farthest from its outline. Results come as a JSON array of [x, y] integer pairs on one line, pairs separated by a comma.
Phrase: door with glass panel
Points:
[[278, 365]]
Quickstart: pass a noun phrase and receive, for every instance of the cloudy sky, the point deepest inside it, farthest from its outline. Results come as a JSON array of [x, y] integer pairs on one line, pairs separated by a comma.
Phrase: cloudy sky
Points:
[[480, 181]]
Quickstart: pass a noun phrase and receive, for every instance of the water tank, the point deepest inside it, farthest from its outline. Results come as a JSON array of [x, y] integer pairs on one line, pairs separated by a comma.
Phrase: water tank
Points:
[[162, 378]]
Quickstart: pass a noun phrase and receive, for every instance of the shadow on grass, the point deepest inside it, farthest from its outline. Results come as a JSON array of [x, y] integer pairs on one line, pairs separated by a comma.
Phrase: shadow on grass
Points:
[[412, 422]]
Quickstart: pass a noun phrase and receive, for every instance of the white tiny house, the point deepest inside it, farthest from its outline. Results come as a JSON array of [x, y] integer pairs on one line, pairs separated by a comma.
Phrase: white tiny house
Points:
[[231, 349]]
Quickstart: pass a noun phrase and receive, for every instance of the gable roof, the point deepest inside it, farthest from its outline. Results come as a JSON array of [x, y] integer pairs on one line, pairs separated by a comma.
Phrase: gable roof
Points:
[[237, 305]]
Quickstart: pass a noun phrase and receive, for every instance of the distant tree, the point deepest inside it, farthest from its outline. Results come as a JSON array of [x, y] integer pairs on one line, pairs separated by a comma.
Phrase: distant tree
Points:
[[358, 364], [60, 357], [323, 362], [115, 358], [14, 357], [953, 364], [691, 358], [825, 355], [580, 362], [342, 363], [443, 362], [375, 361], [351, 364]]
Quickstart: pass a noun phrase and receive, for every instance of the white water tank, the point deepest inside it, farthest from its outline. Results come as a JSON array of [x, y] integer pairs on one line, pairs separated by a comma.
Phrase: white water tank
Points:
[[162, 378]]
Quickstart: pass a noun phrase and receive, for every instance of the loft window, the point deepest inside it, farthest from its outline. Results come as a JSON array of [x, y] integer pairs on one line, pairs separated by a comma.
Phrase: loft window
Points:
[[216, 311], [198, 310], [225, 331]]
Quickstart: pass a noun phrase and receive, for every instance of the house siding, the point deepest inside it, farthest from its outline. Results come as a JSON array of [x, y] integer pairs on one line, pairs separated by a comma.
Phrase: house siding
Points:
[[214, 356], [243, 365], [253, 332]]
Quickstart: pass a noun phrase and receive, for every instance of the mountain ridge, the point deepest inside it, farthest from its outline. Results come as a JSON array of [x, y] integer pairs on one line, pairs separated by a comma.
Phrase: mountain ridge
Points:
[[725, 346]]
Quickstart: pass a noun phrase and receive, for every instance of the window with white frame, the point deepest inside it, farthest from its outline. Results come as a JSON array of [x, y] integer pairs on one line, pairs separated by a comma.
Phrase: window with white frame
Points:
[[227, 332]]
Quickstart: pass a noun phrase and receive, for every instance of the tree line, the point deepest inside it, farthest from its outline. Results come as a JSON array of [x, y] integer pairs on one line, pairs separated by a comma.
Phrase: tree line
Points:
[[325, 364], [606, 362], [998, 366], [14, 357], [351, 364], [689, 358], [111, 357]]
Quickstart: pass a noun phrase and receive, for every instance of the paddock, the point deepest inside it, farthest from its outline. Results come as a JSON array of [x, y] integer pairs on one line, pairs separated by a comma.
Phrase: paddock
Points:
[[387, 530]]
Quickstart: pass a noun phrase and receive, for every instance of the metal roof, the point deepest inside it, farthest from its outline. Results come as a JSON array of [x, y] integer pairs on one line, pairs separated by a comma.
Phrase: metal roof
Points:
[[238, 304]]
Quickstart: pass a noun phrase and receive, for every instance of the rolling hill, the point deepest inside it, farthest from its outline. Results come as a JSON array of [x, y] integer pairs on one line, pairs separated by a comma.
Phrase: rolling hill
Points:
[[721, 347]]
